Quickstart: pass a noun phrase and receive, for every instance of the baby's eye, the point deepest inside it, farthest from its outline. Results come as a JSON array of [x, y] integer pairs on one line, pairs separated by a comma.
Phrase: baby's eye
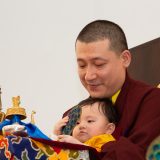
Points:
[[90, 121], [77, 123]]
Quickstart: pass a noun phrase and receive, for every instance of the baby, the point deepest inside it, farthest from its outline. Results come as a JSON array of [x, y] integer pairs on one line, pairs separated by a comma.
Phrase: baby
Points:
[[95, 125]]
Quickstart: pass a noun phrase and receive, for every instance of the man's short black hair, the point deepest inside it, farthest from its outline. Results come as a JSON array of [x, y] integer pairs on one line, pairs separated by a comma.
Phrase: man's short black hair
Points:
[[101, 30]]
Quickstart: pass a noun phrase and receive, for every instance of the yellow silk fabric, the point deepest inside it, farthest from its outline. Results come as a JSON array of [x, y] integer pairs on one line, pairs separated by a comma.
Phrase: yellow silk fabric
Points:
[[97, 141]]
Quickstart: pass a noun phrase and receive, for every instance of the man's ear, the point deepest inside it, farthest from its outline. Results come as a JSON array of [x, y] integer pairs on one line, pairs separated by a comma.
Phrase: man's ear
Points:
[[110, 128], [126, 58]]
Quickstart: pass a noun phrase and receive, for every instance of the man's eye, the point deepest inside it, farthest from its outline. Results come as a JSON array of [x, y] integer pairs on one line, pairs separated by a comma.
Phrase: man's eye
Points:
[[81, 65], [99, 65]]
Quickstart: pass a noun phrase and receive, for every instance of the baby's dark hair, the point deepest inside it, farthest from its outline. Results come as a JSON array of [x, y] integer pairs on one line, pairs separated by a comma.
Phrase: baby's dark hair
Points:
[[105, 104]]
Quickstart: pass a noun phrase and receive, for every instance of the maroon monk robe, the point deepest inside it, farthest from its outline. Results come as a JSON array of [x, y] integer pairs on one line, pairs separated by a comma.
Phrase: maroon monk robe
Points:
[[138, 106]]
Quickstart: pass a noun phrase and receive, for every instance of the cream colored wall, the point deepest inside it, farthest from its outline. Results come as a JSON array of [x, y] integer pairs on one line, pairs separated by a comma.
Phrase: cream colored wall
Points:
[[37, 59]]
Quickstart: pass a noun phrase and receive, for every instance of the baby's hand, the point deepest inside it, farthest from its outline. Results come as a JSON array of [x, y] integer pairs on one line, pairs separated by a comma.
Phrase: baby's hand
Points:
[[58, 126], [68, 139]]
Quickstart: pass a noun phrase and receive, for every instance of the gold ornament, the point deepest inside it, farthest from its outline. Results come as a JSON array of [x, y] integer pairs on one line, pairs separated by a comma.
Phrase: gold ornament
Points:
[[16, 109], [32, 117]]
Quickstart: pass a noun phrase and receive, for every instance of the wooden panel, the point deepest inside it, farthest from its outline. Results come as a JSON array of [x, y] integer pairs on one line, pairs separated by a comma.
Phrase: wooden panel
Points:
[[145, 65]]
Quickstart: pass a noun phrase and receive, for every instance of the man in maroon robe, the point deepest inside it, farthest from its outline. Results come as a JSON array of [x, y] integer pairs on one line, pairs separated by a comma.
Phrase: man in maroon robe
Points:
[[103, 58]]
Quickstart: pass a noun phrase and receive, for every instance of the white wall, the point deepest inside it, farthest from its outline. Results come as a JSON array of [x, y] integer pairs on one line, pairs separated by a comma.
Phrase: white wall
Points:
[[37, 59]]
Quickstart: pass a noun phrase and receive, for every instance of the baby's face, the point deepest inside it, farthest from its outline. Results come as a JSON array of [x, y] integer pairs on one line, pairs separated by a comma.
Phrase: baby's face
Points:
[[92, 123]]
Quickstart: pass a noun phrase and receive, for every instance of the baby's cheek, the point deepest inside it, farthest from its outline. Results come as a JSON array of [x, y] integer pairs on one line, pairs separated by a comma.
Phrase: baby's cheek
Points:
[[74, 132]]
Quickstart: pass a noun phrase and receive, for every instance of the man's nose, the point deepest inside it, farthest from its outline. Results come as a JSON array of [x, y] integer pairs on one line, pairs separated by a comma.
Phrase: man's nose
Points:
[[90, 74]]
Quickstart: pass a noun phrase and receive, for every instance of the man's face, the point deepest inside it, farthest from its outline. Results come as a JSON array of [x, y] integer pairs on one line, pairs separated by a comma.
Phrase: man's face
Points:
[[101, 70]]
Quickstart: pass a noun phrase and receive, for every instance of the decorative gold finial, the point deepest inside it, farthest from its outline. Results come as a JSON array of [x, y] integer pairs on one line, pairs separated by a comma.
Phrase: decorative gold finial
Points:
[[16, 109], [16, 101], [2, 114], [32, 117]]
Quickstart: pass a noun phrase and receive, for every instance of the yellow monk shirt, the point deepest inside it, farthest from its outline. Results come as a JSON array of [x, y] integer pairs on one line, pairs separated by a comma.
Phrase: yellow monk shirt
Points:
[[98, 141], [114, 97]]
